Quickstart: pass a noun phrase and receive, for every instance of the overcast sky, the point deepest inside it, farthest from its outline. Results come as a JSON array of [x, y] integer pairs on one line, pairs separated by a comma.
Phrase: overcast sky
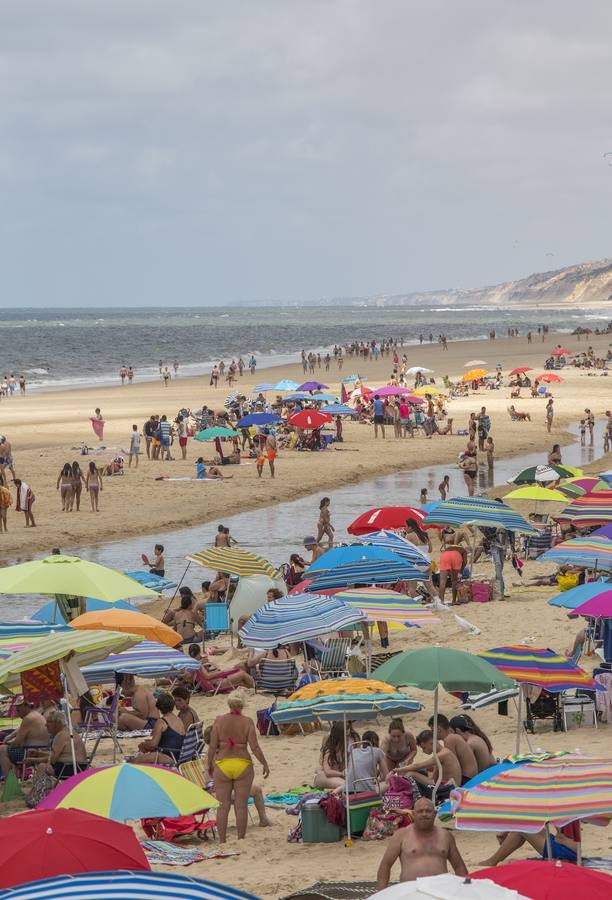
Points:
[[209, 151]]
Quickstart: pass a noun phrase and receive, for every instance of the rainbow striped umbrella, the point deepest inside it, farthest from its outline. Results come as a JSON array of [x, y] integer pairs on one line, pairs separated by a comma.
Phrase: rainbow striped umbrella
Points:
[[526, 798], [477, 511], [234, 561], [539, 666], [591, 509], [587, 484], [333, 698], [129, 791], [590, 552], [380, 605]]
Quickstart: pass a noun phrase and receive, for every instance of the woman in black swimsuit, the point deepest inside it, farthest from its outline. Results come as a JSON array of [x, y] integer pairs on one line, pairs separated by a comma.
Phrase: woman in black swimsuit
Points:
[[164, 745]]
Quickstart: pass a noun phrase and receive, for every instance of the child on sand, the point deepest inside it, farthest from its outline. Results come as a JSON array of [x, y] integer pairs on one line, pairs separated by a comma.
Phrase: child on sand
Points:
[[134, 447], [262, 457]]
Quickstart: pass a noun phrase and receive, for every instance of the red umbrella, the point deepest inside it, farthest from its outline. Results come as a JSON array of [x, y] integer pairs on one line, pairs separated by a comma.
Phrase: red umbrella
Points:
[[521, 370], [542, 880], [561, 351], [549, 377], [385, 517], [44, 843], [309, 418]]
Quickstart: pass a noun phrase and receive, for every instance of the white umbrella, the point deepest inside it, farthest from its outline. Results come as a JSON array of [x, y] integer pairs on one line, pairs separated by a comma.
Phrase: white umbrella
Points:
[[447, 887], [475, 362], [414, 369], [250, 595]]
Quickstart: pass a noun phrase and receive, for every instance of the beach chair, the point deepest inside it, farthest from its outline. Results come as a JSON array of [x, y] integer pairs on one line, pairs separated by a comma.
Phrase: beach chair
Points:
[[192, 744], [101, 722], [276, 676], [216, 618], [334, 659]]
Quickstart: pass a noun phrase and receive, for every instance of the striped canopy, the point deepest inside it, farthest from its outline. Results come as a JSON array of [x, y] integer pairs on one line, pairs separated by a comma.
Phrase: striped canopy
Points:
[[580, 594], [540, 474], [539, 666], [146, 660], [353, 698], [297, 617], [30, 629], [339, 409], [398, 545], [367, 572], [591, 509], [125, 886], [525, 798], [478, 511], [379, 605], [587, 484], [591, 552], [234, 561]]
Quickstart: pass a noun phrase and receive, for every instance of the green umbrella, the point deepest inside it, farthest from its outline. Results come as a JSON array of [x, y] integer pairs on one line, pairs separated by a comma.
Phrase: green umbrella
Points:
[[72, 576], [429, 667], [217, 431]]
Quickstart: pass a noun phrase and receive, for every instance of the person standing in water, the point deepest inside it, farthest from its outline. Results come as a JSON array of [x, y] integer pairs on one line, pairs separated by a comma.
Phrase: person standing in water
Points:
[[324, 524]]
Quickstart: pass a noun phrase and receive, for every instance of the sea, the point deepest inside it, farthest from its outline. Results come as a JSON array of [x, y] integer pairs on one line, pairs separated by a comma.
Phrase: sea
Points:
[[58, 348]]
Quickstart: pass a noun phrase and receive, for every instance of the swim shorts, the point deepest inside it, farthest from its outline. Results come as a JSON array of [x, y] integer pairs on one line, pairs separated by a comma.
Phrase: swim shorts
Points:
[[182, 442], [271, 455], [379, 420], [451, 561], [559, 851]]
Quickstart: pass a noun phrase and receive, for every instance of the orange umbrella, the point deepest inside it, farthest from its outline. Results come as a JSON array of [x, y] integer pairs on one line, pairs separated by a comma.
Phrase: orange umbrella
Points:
[[549, 377], [129, 622], [474, 375]]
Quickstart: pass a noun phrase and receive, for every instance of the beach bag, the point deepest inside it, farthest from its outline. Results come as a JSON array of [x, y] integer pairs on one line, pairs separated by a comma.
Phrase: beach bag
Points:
[[382, 824], [567, 581], [42, 785], [265, 724], [401, 793], [482, 592]]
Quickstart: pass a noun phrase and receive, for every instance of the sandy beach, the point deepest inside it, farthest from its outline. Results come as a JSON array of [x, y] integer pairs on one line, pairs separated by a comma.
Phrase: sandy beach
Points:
[[46, 430]]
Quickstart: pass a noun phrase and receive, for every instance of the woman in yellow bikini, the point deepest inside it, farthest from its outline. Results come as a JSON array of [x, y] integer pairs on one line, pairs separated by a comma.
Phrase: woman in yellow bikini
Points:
[[231, 766]]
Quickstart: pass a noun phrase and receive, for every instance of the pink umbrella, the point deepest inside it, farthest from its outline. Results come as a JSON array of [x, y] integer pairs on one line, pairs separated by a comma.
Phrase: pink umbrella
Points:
[[597, 607], [561, 351], [391, 390]]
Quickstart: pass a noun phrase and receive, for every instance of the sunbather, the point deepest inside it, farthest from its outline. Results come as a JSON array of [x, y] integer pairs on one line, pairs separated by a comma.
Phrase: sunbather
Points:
[[561, 847], [58, 759], [212, 679], [164, 746], [143, 712]]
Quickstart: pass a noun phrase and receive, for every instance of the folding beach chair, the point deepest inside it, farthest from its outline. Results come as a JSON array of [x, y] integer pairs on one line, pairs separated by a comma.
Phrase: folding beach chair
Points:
[[192, 743], [276, 676], [216, 618], [101, 722], [334, 659]]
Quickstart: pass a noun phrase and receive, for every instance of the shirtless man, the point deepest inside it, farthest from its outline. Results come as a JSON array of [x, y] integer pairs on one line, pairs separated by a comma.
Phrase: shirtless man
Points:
[[143, 713], [467, 730], [451, 769], [158, 566], [31, 733], [460, 747], [423, 849], [316, 550], [222, 537], [6, 456]]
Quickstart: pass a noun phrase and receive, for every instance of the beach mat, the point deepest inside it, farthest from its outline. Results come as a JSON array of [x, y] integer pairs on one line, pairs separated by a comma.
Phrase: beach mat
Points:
[[163, 853], [335, 890], [107, 733]]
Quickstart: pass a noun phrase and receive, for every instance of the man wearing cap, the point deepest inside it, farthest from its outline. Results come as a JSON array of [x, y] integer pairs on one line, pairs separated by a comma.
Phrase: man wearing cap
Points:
[[31, 733]]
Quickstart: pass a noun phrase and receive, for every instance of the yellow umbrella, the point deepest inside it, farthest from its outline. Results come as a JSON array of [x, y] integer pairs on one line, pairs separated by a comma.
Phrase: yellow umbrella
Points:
[[128, 622], [474, 375], [234, 561], [534, 492], [427, 389]]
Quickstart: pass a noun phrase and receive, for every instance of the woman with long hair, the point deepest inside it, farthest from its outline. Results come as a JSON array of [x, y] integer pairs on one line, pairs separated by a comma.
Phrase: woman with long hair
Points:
[[78, 480], [465, 726], [65, 487], [324, 524], [330, 773], [93, 483]]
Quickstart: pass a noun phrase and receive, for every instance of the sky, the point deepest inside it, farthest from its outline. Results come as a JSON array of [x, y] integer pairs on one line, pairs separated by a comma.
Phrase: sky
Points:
[[200, 152]]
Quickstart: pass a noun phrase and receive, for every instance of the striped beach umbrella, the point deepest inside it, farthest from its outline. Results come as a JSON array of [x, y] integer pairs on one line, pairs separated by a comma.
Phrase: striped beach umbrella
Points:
[[479, 511], [587, 484], [286, 385], [129, 791], [379, 605], [145, 660], [588, 510], [30, 630], [367, 572], [297, 617], [526, 798], [333, 698], [339, 409], [125, 886], [590, 552], [580, 594], [234, 561], [540, 474], [539, 666], [51, 614], [398, 545]]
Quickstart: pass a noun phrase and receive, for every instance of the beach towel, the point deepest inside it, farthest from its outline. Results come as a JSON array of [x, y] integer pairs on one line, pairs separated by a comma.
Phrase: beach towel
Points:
[[98, 427], [107, 733], [25, 498], [42, 683], [162, 853]]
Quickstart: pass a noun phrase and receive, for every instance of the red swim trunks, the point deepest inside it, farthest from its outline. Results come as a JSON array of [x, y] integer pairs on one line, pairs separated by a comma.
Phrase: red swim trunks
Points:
[[451, 561]]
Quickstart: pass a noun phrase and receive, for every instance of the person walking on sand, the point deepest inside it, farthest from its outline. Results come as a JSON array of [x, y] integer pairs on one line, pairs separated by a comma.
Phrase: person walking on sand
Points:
[[550, 414], [25, 501], [78, 480], [93, 483], [134, 447], [378, 407], [98, 423], [65, 486], [324, 525], [181, 427]]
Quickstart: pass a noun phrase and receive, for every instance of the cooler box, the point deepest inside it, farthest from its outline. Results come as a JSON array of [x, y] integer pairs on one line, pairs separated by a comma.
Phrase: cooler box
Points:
[[315, 827], [360, 806]]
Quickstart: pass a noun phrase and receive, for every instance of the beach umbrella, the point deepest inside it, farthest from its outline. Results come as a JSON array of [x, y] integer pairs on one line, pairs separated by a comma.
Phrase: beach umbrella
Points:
[[362, 391], [322, 398], [479, 511], [216, 431], [537, 494], [541, 667], [295, 618], [555, 881], [540, 474], [353, 553], [402, 547], [234, 561], [292, 398], [64, 841], [258, 419], [57, 574], [578, 595], [561, 351], [28, 631], [251, 593], [520, 370], [588, 510], [126, 886], [368, 571], [351, 379], [345, 700], [606, 476], [391, 390], [380, 605], [528, 798], [473, 363], [589, 552], [148, 627], [145, 660], [474, 375], [599, 607], [578, 487], [308, 419], [448, 887], [414, 370], [263, 388], [286, 385], [427, 389], [129, 791], [549, 378], [384, 517], [429, 507], [312, 386], [338, 409]]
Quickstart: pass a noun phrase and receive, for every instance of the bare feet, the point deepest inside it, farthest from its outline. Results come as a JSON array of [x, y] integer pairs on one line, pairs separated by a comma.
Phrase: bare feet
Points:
[[265, 823]]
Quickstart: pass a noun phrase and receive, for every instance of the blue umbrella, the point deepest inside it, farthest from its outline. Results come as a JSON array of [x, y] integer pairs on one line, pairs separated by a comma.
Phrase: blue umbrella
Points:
[[50, 614], [366, 572], [297, 617], [124, 886], [580, 594], [400, 546], [479, 511], [294, 398], [339, 409], [431, 506], [286, 385], [262, 388], [607, 476], [258, 419], [322, 398], [149, 660], [340, 556], [30, 629]]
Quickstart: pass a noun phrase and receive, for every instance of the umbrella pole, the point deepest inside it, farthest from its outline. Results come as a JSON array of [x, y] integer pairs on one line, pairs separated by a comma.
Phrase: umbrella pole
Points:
[[177, 588], [349, 841], [519, 713], [69, 722], [548, 847], [435, 745]]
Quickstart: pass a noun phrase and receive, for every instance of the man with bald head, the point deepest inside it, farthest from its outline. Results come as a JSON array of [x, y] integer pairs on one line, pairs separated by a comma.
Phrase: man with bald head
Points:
[[423, 849]]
